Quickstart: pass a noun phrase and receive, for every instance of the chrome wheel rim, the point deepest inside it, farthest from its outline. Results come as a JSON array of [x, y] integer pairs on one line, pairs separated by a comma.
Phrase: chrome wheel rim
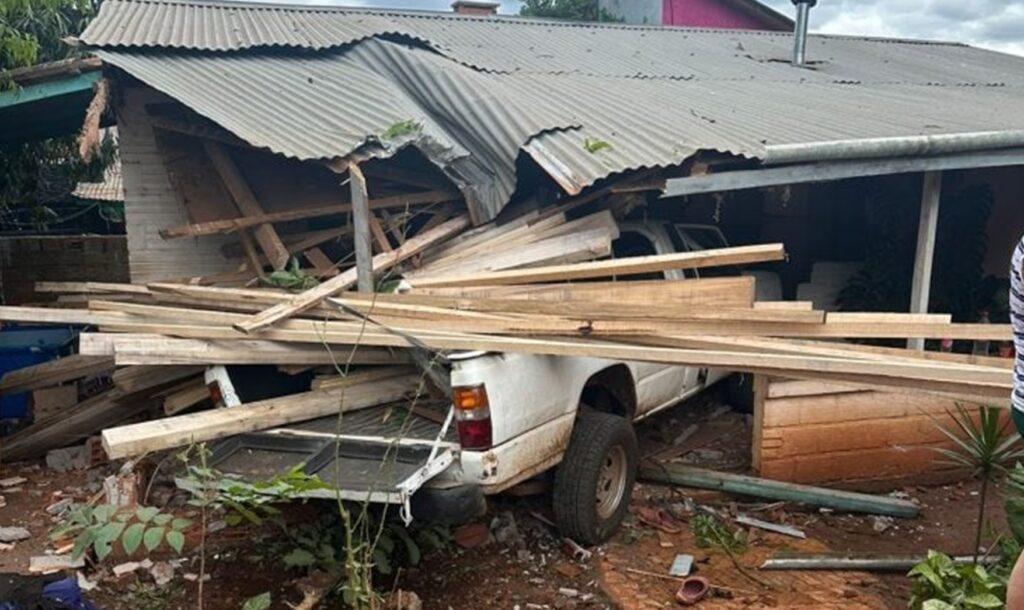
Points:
[[611, 482]]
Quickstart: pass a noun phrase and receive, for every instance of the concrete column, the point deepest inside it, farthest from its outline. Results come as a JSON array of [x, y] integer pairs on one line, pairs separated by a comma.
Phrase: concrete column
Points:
[[926, 229]]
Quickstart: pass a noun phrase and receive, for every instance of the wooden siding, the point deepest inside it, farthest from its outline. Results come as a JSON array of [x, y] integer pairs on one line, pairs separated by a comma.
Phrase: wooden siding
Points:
[[151, 204]]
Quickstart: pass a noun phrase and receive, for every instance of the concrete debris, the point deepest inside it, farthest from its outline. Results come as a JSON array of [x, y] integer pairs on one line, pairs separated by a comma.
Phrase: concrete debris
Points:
[[505, 530], [12, 481], [5, 546], [681, 565], [162, 573], [880, 523], [131, 566], [566, 591], [84, 583], [48, 564], [14, 534], [192, 577], [67, 459], [59, 507]]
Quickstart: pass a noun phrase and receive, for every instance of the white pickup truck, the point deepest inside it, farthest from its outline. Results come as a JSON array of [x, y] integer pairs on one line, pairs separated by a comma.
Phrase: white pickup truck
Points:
[[516, 416]]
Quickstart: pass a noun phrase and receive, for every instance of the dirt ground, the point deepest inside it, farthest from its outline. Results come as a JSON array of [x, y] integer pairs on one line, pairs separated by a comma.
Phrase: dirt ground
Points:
[[525, 564]]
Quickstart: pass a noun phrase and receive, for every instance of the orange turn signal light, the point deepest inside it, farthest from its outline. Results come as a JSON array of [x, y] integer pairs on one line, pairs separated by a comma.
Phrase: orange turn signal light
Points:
[[471, 397]]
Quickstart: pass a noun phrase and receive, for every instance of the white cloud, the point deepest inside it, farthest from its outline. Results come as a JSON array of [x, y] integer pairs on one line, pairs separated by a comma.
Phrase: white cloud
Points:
[[992, 24]]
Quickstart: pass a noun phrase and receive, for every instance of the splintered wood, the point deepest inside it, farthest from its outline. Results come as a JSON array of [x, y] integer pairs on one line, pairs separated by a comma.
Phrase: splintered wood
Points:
[[541, 283]]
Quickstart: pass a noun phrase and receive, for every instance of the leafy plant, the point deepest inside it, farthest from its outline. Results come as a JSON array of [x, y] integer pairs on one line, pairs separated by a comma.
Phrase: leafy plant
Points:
[[258, 602], [984, 446], [101, 526], [593, 146], [1013, 501], [401, 128], [572, 10], [711, 533], [939, 584], [292, 278]]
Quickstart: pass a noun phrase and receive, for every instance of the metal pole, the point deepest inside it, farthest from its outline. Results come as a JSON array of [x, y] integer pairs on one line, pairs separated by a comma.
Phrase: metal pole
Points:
[[803, 10], [926, 229], [361, 228]]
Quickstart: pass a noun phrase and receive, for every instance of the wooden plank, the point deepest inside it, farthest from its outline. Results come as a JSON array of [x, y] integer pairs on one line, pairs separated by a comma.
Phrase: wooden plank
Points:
[[185, 396], [132, 379], [793, 388], [920, 286], [361, 228], [323, 265], [786, 305], [54, 372], [848, 501], [234, 224], [340, 282], [845, 317], [338, 381], [139, 349], [377, 232], [90, 288], [725, 292], [248, 205], [618, 267], [170, 432]]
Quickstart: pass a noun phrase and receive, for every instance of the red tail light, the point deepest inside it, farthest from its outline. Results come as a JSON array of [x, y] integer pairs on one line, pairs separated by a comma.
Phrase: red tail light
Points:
[[473, 416], [215, 395]]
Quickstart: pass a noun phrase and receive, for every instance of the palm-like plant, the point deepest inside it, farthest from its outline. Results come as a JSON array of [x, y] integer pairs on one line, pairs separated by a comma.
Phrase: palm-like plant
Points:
[[984, 444]]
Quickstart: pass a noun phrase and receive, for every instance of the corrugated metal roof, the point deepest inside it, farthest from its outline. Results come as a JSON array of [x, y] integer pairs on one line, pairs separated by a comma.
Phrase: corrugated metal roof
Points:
[[486, 90], [510, 44], [111, 189]]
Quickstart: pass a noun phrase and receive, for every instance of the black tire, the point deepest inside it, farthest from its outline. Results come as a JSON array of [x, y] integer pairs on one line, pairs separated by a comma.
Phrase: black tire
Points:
[[596, 438], [739, 390]]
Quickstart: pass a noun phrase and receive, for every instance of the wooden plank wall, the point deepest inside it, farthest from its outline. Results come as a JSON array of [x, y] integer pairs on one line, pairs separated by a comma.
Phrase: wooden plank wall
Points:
[[151, 203], [823, 433], [27, 260]]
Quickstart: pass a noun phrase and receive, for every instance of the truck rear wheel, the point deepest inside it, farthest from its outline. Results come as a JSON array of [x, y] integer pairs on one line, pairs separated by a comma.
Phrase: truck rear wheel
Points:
[[594, 482]]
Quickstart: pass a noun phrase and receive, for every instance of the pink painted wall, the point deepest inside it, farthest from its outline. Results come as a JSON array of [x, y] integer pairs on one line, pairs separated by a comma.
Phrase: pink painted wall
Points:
[[707, 13]]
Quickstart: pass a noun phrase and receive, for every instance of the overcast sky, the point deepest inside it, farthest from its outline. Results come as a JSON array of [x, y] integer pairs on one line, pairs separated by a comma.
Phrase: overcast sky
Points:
[[996, 24]]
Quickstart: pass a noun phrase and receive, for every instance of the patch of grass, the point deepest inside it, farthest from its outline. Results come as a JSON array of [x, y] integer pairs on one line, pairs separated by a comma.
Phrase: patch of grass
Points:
[[401, 129], [592, 145]]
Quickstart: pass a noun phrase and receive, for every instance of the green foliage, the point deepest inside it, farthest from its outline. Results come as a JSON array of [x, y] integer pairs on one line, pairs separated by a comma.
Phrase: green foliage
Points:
[[985, 445], [101, 526], [292, 278], [1013, 500], [258, 602], [31, 30], [570, 10], [593, 146], [939, 584], [401, 129], [711, 533]]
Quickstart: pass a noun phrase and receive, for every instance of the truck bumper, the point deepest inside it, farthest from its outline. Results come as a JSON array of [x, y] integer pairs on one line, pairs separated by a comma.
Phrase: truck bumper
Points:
[[451, 506]]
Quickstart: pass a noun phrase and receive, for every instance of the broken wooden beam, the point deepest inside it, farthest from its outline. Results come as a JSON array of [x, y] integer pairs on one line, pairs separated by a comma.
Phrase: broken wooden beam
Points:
[[54, 372], [181, 430], [231, 225], [848, 501], [311, 297]]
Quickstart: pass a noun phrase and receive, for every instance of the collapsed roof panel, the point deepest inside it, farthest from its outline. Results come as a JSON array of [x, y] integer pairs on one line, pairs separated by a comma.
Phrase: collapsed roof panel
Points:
[[584, 101]]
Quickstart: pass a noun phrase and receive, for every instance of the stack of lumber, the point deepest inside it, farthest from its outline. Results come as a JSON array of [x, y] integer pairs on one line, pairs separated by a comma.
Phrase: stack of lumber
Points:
[[539, 284]]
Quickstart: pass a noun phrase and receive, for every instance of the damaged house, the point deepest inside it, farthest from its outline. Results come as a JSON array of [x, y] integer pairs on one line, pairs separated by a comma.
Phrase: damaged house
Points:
[[556, 201]]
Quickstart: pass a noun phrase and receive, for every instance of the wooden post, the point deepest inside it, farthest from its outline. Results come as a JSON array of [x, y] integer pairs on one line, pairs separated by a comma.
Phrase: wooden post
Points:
[[361, 228], [930, 194]]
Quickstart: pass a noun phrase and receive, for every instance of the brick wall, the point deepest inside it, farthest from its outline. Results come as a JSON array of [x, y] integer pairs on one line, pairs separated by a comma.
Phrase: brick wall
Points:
[[823, 433], [27, 260]]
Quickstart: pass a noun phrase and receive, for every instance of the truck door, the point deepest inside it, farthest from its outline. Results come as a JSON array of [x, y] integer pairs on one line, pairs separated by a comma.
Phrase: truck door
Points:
[[657, 385]]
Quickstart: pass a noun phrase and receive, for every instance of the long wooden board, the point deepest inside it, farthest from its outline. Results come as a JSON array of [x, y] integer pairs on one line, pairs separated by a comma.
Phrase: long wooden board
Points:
[[170, 432], [633, 265], [231, 225]]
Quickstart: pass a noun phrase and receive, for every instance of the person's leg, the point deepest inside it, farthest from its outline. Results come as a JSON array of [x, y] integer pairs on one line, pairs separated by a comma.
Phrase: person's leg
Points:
[[1015, 587]]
